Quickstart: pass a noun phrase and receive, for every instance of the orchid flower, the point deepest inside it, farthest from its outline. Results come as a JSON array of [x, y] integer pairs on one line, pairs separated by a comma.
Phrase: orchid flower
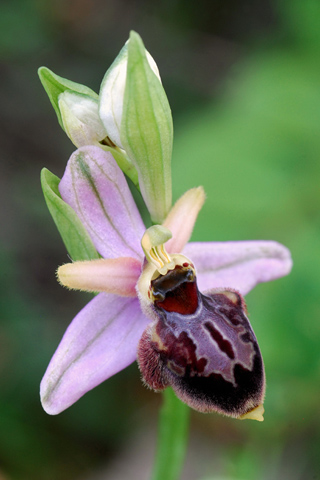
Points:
[[150, 305]]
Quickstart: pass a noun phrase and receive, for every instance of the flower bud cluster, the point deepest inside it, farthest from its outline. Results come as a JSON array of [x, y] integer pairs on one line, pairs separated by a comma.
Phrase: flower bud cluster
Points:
[[130, 117]]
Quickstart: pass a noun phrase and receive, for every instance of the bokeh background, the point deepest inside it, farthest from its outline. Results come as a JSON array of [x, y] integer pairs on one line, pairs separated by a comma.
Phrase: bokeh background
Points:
[[243, 81]]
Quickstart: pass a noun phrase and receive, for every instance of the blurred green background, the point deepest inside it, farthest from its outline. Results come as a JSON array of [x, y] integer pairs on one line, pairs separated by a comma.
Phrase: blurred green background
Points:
[[243, 81]]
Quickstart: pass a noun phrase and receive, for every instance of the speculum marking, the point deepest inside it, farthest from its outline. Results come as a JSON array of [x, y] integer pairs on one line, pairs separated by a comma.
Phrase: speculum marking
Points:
[[224, 345]]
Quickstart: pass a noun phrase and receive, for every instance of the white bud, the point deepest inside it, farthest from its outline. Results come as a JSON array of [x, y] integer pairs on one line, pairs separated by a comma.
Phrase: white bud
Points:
[[112, 94], [80, 118]]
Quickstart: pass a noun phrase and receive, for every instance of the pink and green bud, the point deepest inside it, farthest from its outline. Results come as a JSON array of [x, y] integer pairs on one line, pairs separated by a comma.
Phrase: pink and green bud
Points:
[[136, 114], [131, 118]]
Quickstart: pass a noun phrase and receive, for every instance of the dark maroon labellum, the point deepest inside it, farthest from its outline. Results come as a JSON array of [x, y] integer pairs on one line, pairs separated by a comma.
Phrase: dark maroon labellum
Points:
[[202, 345], [176, 291]]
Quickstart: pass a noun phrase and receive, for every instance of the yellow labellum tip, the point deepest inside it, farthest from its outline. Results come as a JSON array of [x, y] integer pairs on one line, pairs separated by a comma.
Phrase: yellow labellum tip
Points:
[[255, 414]]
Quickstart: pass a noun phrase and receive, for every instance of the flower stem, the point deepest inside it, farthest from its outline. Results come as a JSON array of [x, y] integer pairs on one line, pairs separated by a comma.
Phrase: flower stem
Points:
[[172, 438]]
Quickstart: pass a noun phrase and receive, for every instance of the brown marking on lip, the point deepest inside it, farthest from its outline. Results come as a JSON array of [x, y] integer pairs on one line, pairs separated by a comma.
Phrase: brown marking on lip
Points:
[[182, 352], [246, 337], [224, 345], [214, 393]]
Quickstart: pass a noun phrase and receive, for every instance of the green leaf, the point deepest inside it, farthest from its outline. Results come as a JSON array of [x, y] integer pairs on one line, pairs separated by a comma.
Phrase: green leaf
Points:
[[147, 131], [172, 437], [73, 233], [55, 85]]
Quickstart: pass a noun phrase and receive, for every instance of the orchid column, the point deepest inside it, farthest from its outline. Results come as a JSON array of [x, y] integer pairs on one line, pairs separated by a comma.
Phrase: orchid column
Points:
[[175, 307]]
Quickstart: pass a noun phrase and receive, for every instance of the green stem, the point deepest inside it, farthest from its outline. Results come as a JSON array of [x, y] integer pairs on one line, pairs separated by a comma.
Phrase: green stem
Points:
[[172, 438]]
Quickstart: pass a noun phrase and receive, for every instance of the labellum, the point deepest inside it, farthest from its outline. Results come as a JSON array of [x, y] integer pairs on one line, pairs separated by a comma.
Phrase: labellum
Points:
[[202, 345]]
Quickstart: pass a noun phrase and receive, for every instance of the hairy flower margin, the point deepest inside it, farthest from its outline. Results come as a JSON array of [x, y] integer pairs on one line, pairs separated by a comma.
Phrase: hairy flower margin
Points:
[[104, 337]]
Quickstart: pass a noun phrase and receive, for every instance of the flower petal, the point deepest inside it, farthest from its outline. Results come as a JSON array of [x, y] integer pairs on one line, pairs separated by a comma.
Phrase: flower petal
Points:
[[182, 217], [101, 340], [238, 265], [112, 275], [94, 186]]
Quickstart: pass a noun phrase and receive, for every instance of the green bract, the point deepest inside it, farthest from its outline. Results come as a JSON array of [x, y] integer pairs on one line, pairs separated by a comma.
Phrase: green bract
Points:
[[75, 237], [147, 131], [55, 85]]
